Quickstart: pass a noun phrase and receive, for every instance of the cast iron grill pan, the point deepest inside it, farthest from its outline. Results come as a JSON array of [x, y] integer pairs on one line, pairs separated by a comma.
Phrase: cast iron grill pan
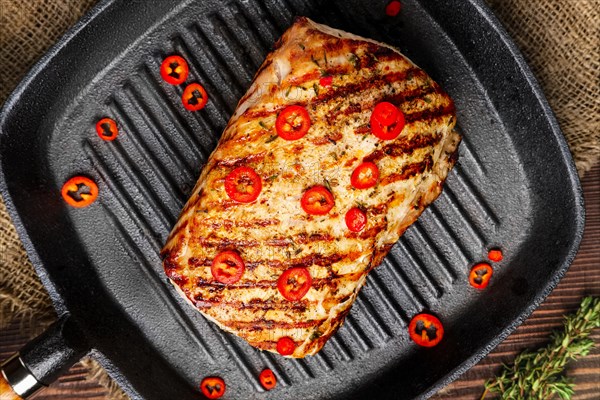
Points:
[[513, 187]]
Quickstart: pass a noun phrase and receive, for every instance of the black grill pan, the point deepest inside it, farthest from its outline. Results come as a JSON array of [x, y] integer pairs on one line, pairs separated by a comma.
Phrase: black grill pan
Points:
[[514, 186]]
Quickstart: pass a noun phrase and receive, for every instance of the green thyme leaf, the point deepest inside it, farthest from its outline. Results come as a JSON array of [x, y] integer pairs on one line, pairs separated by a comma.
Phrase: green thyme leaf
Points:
[[353, 58], [538, 374], [271, 138], [315, 335], [315, 61]]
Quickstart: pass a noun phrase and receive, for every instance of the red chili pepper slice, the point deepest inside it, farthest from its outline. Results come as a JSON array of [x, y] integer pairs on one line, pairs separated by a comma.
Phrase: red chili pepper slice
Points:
[[286, 346], [194, 97], [495, 255], [107, 129], [480, 275], [213, 387], [365, 175], [243, 184], [227, 267], [174, 70], [317, 200], [385, 113], [267, 379], [326, 81], [426, 330], [292, 123], [294, 283], [385, 124], [393, 8], [79, 191], [356, 219]]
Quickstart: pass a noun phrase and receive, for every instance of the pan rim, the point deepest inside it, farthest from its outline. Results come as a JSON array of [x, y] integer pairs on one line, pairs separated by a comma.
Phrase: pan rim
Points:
[[478, 354]]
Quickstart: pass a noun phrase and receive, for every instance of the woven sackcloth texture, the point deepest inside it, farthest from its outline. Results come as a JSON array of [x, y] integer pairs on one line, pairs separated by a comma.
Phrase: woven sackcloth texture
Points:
[[559, 38], [561, 41]]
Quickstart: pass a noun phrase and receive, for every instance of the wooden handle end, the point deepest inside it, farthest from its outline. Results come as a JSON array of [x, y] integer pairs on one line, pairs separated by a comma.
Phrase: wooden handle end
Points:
[[6, 391]]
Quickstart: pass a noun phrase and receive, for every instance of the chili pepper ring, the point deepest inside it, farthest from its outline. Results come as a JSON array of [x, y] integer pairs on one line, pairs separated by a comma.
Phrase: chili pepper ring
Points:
[[79, 191]]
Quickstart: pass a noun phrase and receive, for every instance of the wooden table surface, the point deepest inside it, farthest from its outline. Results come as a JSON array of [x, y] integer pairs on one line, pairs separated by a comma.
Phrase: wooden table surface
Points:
[[583, 278]]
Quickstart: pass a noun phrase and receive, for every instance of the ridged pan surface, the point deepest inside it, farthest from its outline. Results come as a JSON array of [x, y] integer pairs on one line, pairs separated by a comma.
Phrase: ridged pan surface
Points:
[[514, 187]]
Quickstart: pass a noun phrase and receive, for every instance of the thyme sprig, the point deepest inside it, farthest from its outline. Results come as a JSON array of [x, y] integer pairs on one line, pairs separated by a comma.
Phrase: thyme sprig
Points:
[[538, 374]]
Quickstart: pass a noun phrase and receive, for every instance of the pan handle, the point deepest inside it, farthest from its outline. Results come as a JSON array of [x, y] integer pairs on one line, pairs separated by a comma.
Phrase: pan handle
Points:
[[42, 360]]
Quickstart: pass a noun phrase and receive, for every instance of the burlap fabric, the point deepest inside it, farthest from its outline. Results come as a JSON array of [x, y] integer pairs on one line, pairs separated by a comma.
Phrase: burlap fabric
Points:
[[560, 40]]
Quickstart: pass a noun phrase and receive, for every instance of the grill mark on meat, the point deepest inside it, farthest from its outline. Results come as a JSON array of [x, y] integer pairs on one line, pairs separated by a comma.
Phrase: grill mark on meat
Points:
[[254, 304], [169, 262], [261, 324], [408, 171], [181, 226], [220, 205], [261, 304], [330, 138], [336, 48], [353, 109], [305, 261], [174, 273], [373, 231], [201, 283], [362, 86], [199, 262], [299, 80], [378, 209], [318, 283], [396, 99], [404, 146], [430, 114], [222, 243], [228, 223], [362, 130], [410, 95], [179, 279], [239, 161], [263, 113], [301, 238]]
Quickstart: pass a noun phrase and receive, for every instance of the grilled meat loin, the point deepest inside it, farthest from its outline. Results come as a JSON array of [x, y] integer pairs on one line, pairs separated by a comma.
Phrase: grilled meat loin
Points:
[[274, 233]]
